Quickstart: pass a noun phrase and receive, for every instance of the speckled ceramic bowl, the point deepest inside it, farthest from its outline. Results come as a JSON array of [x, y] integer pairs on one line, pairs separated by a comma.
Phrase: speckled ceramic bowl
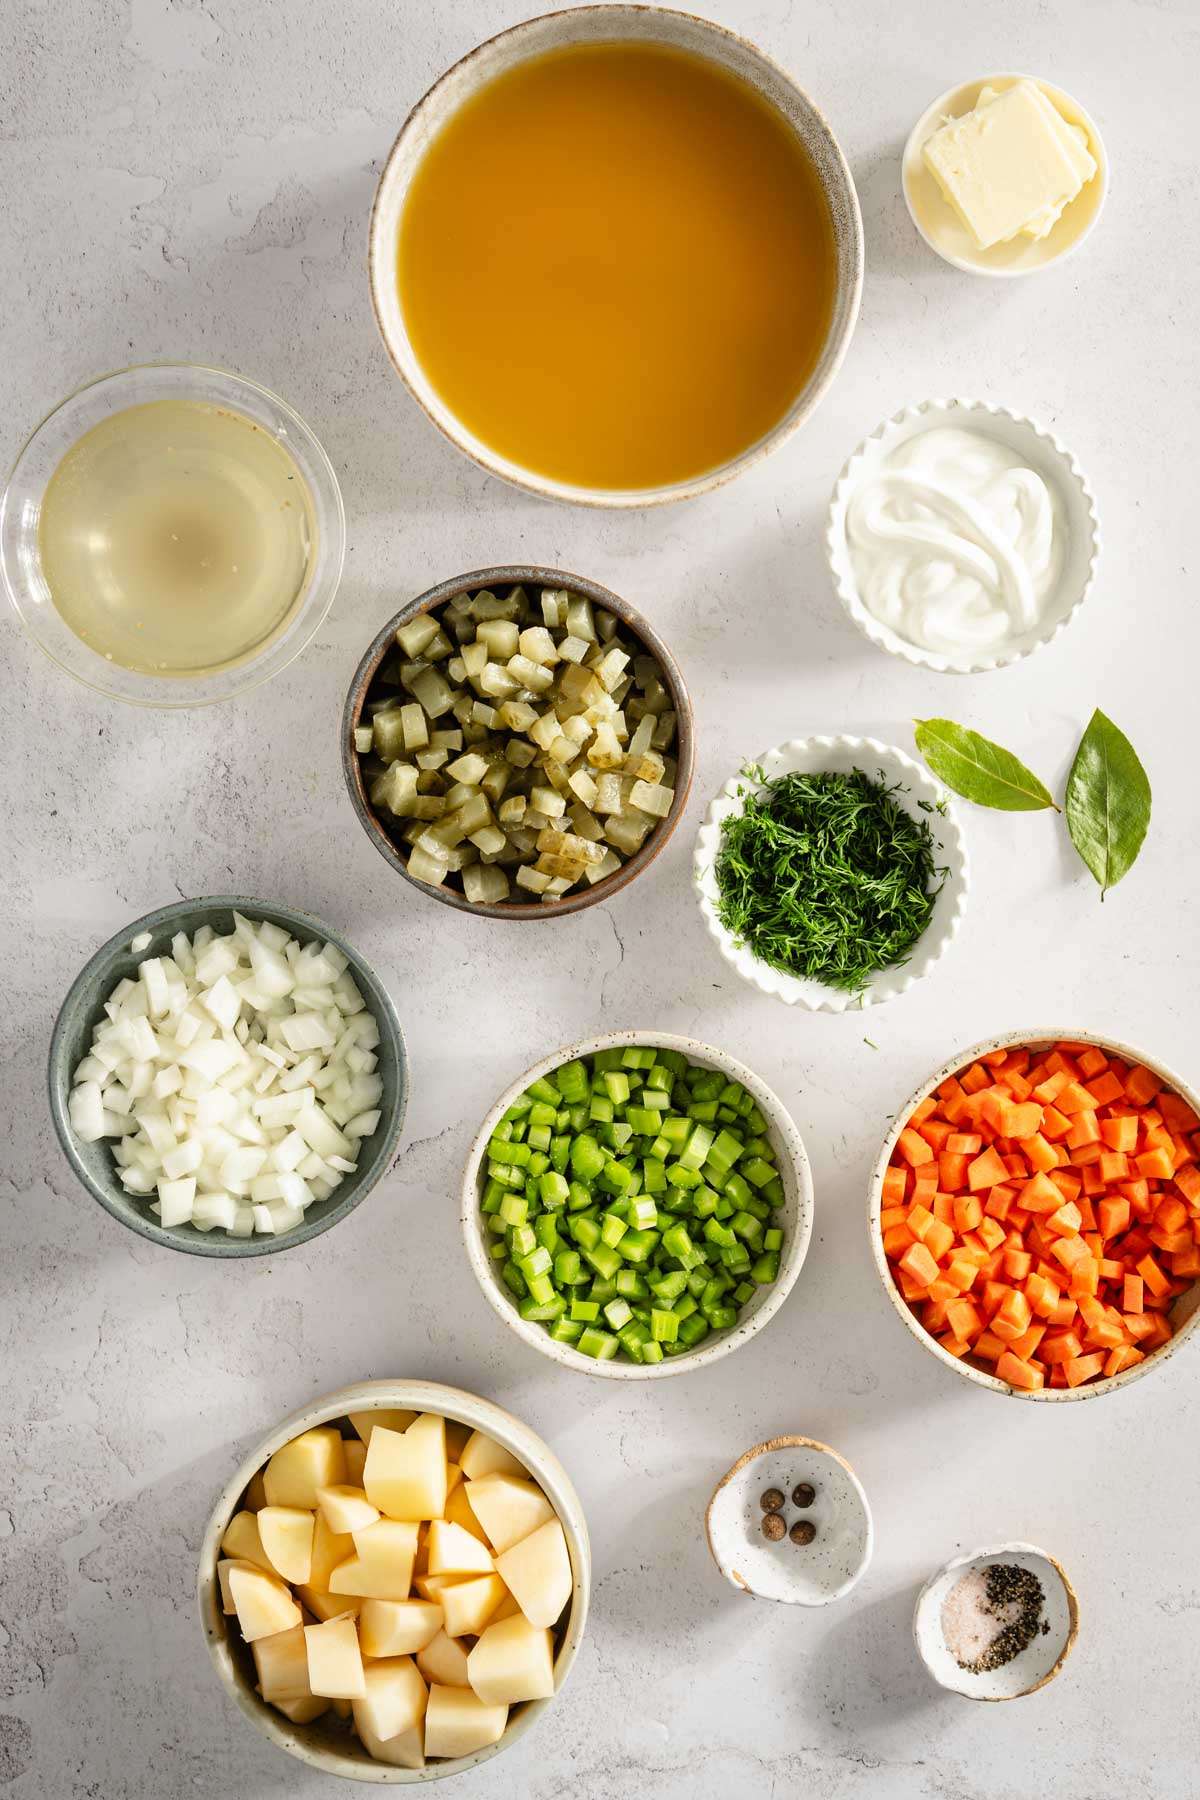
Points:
[[595, 24], [1037, 1664], [924, 798], [327, 1745], [799, 1574], [1040, 451], [940, 225], [796, 1215], [84, 1006], [527, 575], [1185, 1314]]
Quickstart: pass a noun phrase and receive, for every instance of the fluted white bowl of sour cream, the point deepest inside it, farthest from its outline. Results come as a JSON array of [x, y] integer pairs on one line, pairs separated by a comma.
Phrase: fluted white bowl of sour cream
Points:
[[962, 536]]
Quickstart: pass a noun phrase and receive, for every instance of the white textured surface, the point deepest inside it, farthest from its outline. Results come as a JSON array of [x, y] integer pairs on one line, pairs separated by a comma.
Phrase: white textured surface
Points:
[[194, 179]]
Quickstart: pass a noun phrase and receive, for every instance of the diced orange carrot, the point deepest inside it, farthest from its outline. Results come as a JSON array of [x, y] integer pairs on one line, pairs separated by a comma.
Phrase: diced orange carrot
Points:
[[1120, 1132], [964, 1143], [988, 1346], [918, 1265], [1104, 1335], [1152, 1275], [975, 1078], [985, 1171], [919, 1220], [1041, 1195], [1176, 1111], [1018, 1374], [939, 1239], [1171, 1243], [1066, 1222], [968, 1211], [922, 1111], [1083, 1368], [1112, 1268], [896, 1240], [1092, 1061], [952, 1171], [935, 1132], [1185, 1264], [1047, 1091], [1120, 1358], [1085, 1130], [1170, 1214], [1070, 1251], [956, 1346], [1027, 1344], [1073, 1099], [941, 1290], [1060, 1346], [1055, 1124], [1132, 1292], [1068, 1184], [943, 1208], [992, 1233], [999, 1201], [964, 1319], [1064, 1314], [1040, 1155], [1017, 1264], [1106, 1089], [924, 1185], [1012, 1317], [1141, 1085], [1156, 1165], [1113, 1165], [894, 1183], [1085, 1275], [962, 1272], [914, 1149]]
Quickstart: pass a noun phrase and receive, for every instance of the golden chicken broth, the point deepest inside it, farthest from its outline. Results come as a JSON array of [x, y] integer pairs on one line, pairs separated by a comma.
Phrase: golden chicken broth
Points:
[[617, 265]]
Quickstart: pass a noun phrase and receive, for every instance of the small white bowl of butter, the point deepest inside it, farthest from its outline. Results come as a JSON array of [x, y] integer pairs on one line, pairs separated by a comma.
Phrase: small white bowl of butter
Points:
[[962, 536], [997, 196]]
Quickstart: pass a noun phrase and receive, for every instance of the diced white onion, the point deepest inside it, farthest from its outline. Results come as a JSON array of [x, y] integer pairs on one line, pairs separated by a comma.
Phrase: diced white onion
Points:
[[235, 1077]]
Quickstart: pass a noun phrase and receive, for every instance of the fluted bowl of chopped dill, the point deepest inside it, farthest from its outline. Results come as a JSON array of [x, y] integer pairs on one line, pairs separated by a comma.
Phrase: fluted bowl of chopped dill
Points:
[[831, 872]]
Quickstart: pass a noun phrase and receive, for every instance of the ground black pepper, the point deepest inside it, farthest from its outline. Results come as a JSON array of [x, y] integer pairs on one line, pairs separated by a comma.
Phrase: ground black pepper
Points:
[[1010, 1587]]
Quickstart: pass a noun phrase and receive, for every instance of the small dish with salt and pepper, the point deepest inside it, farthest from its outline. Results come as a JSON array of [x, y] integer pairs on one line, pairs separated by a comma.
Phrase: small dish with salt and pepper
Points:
[[998, 1623], [790, 1522]]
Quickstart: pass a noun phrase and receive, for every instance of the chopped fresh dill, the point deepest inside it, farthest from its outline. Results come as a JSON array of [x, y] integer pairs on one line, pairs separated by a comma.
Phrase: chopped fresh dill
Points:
[[826, 877]]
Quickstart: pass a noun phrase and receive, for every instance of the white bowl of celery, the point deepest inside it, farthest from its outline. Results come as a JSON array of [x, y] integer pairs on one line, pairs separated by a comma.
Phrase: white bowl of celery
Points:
[[637, 1205]]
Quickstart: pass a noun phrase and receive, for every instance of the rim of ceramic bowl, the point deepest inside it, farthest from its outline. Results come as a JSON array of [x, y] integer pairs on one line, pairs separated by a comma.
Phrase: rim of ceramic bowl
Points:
[[988, 1552], [367, 1396], [944, 105], [890, 983], [798, 1183], [218, 1243], [841, 567], [787, 1441], [848, 292], [1008, 1040], [179, 693], [532, 575]]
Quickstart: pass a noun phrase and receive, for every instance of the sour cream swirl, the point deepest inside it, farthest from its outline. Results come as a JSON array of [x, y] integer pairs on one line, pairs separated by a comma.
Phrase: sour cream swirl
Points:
[[956, 544]]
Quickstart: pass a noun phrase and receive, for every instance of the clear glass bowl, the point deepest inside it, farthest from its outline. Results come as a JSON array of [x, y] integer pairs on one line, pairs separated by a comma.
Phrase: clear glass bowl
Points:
[[20, 509]]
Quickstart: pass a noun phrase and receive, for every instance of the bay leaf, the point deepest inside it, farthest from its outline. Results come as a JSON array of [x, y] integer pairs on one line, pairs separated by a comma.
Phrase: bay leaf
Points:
[[978, 769], [1108, 801]]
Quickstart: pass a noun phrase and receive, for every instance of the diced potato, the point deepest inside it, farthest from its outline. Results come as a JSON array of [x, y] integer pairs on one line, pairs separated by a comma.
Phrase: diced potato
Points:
[[393, 1418], [512, 1661], [508, 1507], [382, 1565], [481, 1455], [263, 1603], [356, 1460], [224, 1567], [405, 1751], [346, 1509], [255, 1495], [538, 1572], [281, 1663], [444, 1661], [287, 1538], [313, 1460], [457, 1722], [324, 1605], [453, 1551], [395, 1697], [242, 1540], [468, 1605], [398, 1627], [460, 1512], [405, 1474], [335, 1666], [302, 1712]]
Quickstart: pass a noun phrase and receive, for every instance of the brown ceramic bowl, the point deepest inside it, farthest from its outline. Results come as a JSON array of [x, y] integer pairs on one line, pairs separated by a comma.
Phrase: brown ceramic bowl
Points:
[[526, 575]]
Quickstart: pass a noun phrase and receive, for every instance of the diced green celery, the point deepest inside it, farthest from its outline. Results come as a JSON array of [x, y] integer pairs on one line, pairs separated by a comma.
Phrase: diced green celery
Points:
[[601, 1110], [664, 1326], [544, 1311], [654, 1177], [773, 1239], [585, 1231], [541, 1289], [545, 1229], [514, 1280], [572, 1081], [514, 1209], [584, 1310], [616, 1085], [757, 1171], [553, 1189], [604, 1260], [521, 1239], [693, 1330], [643, 1213], [637, 1246], [766, 1269], [652, 1352], [544, 1090], [670, 1286], [599, 1344], [696, 1149], [679, 1175], [587, 1158], [566, 1331], [568, 1268], [618, 1312]]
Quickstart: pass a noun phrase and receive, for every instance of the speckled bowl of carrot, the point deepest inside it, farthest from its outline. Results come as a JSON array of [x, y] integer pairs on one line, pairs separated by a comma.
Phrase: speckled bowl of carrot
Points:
[[1035, 1214]]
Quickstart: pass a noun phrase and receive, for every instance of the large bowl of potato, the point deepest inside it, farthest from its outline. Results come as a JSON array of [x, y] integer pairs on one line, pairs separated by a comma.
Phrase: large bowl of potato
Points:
[[394, 1582]]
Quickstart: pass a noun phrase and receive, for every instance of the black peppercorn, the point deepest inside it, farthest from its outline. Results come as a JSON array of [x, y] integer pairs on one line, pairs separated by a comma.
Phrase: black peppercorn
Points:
[[803, 1531], [803, 1494], [773, 1526], [772, 1499]]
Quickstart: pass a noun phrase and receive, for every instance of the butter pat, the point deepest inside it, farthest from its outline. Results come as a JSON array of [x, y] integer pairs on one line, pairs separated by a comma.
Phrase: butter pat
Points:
[[1011, 165]]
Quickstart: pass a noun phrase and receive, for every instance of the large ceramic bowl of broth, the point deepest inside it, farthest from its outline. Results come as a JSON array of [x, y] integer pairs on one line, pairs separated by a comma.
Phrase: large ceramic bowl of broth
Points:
[[616, 255], [172, 535]]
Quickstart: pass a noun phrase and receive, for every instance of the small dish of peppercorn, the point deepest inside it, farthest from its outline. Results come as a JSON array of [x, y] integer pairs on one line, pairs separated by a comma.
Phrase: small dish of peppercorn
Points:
[[998, 1623], [790, 1522]]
